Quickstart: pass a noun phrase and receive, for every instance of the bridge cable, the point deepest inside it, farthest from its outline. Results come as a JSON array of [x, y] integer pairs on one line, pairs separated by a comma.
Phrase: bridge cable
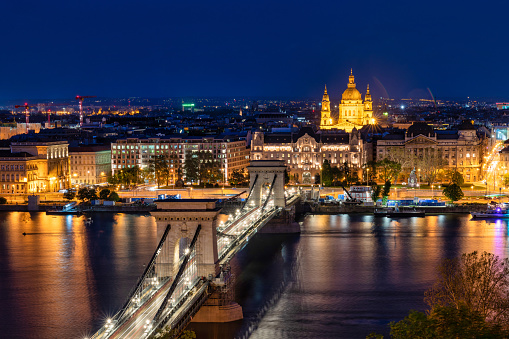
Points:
[[147, 270], [250, 192], [270, 192], [178, 276]]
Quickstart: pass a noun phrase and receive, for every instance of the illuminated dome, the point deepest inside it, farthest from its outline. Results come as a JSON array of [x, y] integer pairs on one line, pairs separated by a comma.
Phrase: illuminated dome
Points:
[[351, 93]]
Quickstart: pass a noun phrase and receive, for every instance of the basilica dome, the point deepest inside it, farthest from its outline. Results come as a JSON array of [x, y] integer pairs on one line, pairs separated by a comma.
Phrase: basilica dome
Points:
[[351, 94]]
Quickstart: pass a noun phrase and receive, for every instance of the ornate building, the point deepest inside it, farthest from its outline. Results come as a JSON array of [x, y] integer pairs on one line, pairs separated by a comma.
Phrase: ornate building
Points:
[[461, 149], [305, 151], [353, 111]]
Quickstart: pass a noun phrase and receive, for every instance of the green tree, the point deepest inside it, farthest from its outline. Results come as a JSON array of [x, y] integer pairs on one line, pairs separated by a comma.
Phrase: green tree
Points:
[[387, 169], [104, 194], [453, 192], [86, 194], [159, 166], [375, 192], [238, 178], [337, 175], [113, 196], [455, 177], [385, 192], [69, 195], [192, 167], [446, 322], [326, 174], [370, 168]]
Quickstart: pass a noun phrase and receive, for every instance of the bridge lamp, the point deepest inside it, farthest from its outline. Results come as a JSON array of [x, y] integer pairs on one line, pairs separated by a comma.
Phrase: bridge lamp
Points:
[[187, 250]]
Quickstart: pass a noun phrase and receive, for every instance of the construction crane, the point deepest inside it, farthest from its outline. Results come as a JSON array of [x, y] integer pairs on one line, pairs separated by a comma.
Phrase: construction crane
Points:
[[80, 98], [48, 111], [27, 111]]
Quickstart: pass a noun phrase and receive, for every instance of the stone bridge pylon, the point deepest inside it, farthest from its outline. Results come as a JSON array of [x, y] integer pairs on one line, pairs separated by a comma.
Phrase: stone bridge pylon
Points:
[[263, 173]]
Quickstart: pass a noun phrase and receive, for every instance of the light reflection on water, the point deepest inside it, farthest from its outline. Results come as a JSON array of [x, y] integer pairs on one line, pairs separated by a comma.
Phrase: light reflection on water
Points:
[[343, 277]]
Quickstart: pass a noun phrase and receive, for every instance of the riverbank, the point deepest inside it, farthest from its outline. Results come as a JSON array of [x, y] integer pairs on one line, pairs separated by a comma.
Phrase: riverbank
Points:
[[429, 210]]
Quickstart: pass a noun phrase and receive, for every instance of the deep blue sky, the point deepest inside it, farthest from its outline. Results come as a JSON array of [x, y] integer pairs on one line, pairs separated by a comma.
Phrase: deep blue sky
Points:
[[156, 48]]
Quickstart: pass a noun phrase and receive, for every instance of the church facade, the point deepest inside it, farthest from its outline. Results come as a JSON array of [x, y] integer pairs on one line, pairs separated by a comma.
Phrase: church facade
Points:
[[353, 111]]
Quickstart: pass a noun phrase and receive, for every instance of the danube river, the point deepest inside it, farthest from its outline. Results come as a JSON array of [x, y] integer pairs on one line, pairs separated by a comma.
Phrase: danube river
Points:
[[343, 277]]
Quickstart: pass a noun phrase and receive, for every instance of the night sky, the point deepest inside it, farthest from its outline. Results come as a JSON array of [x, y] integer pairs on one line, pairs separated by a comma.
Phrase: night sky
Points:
[[153, 48]]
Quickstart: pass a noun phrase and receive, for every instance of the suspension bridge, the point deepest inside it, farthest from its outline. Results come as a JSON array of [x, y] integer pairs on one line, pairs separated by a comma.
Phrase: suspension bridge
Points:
[[191, 262]]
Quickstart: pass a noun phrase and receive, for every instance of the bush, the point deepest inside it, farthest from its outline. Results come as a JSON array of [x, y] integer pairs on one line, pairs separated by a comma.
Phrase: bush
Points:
[[3, 201]]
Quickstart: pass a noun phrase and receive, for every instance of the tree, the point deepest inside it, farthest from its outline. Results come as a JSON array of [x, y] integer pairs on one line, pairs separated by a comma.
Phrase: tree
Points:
[[371, 169], [453, 192], [470, 299], [386, 191], [387, 169], [326, 173], [3, 201], [159, 166], [192, 168], [287, 176], [505, 179], [431, 163], [238, 178], [375, 192], [317, 178], [86, 194], [104, 194], [479, 283], [337, 176], [445, 322], [454, 177], [69, 195], [113, 197]]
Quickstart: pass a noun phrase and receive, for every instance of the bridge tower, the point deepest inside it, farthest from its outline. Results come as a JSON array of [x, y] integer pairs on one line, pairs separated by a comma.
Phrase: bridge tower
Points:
[[267, 172], [184, 216]]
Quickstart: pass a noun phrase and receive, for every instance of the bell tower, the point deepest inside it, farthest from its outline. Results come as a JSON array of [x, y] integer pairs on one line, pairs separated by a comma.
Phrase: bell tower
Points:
[[326, 120], [368, 108]]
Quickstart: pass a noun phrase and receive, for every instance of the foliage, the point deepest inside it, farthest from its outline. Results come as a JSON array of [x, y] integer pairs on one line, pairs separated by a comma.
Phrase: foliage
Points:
[[386, 189], [430, 164], [326, 173], [167, 333], [113, 196], [159, 167], [480, 283], [192, 168], [445, 322], [287, 176], [376, 190], [345, 169], [238, 178], [70, 195], [470, 299], [3, 201], [127, 177], [370, 168], [455, 177], [317, 178], [337, 175], [453, 192], [104, 194], [86, 194], [505, 179], [387, 169]]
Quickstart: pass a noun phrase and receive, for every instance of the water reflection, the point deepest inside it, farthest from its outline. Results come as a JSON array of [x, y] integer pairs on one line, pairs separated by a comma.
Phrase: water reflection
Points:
[[62, 277], [343, 277]]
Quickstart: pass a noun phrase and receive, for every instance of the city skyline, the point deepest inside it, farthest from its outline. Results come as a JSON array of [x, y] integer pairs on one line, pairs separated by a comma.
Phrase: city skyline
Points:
[[281, 49]]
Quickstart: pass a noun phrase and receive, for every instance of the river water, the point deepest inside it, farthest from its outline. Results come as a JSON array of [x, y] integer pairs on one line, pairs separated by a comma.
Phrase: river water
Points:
[[343, 277]]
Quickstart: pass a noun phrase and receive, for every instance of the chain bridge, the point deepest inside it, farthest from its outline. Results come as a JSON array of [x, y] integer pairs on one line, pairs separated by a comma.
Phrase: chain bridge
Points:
[[188, 277]]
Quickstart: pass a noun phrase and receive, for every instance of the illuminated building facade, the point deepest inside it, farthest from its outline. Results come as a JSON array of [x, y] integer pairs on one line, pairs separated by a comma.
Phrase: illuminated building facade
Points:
[[32, 167], [305, 151], [462, 149], [353, 111], [90, 165], [230, 153]]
